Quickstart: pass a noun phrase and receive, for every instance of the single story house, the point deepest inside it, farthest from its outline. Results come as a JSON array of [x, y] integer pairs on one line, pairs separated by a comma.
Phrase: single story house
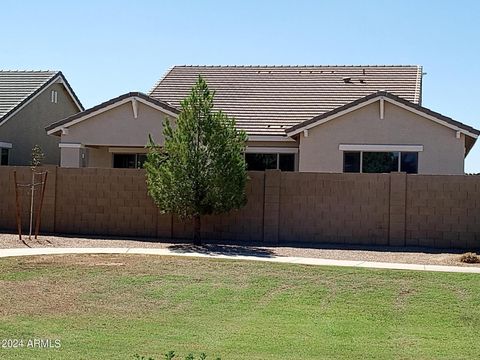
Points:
[[29, 101], [297, 118]]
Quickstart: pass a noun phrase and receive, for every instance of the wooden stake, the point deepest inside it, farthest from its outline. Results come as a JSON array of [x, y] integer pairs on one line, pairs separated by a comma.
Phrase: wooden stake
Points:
[[39, 210], [19, 221]]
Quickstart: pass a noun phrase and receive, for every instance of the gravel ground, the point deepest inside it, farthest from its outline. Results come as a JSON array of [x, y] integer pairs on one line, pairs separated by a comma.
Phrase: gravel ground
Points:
[[339, 252]]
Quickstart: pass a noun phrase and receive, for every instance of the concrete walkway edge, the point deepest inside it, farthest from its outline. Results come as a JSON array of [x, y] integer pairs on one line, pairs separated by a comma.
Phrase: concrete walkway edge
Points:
[[276, 259]]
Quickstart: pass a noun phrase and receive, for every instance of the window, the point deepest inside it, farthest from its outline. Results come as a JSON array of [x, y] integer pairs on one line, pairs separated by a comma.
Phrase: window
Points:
[[129, 161], [351, 162], [409, 162], [286, 162], [3, 156], [261, 162], [380, 162]]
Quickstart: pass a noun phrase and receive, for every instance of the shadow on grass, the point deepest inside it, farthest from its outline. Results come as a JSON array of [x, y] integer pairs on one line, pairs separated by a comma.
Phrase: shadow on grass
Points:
[[221, 249]]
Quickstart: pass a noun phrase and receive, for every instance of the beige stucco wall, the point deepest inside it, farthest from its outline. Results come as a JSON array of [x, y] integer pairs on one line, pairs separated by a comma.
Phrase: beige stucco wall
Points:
[[27, 128], [443, 153], [114, 128], [73, 157], [118, 127], [99, 157]]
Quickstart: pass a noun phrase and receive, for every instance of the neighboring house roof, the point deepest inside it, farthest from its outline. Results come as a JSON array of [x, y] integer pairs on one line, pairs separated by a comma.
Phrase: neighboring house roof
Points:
[[18, 88], [56, 127], [267, 100], [423, 111]]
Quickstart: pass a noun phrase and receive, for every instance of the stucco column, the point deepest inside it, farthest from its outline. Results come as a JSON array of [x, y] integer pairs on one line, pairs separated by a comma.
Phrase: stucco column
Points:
[[271, 206], [72, 155], [398, 198]]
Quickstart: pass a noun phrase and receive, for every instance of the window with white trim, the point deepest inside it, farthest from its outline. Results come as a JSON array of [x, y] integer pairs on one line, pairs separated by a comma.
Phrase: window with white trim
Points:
[[380, 161]]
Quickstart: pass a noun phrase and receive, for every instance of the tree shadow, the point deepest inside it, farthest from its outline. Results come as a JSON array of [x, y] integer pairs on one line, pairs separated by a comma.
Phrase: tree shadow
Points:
[[222, 249]]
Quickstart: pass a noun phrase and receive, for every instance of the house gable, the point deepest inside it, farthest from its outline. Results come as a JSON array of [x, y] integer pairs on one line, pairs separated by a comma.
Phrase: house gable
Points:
[[133, 98], [440, 150], [25, 128], [20, 88], [122, 122], [381, 98]]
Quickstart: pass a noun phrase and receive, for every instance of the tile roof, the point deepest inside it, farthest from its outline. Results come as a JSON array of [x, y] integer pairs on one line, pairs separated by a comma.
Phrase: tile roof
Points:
[[267, 100], [17, 87]]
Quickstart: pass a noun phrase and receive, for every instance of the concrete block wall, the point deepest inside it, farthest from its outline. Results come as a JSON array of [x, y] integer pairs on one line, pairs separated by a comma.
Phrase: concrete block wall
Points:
[[443, 211], [104, 202], [376, 209], [334, 208]]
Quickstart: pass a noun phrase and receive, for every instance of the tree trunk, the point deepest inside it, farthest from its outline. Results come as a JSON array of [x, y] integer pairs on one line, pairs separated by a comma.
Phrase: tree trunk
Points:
[[197, 240]]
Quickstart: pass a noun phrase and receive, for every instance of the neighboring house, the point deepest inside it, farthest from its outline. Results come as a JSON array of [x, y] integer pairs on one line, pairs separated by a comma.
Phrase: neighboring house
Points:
[[297, 118], [29, 101]]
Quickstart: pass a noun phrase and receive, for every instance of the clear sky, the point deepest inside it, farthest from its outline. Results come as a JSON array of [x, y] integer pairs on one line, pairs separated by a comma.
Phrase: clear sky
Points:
[[107, 48]]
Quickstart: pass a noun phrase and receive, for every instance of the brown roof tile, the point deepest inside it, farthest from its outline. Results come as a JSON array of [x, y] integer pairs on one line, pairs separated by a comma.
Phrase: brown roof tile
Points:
[[267, 100], [17, 87]]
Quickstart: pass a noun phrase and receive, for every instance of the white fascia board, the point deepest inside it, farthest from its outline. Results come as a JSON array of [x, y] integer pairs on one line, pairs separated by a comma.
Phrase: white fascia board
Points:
[[5, 145], [270, 138], [271, 150], [383, 148], [334, 116], [433, 118], [60, 80], [71, 145]]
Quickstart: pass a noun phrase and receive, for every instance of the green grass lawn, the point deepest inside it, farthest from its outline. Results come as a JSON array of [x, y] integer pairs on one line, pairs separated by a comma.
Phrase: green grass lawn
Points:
[[114, 306]]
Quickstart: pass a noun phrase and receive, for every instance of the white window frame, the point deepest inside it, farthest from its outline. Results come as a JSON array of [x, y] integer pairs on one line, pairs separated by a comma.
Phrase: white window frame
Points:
[[379, 148], [5, 145]]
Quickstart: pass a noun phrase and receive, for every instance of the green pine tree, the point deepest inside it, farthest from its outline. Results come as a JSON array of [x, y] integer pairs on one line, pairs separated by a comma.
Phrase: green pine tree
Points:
[[201, 169]]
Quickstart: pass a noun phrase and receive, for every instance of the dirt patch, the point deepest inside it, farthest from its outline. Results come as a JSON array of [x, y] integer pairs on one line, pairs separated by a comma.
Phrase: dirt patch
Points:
[[403, 295], [50, 297]]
